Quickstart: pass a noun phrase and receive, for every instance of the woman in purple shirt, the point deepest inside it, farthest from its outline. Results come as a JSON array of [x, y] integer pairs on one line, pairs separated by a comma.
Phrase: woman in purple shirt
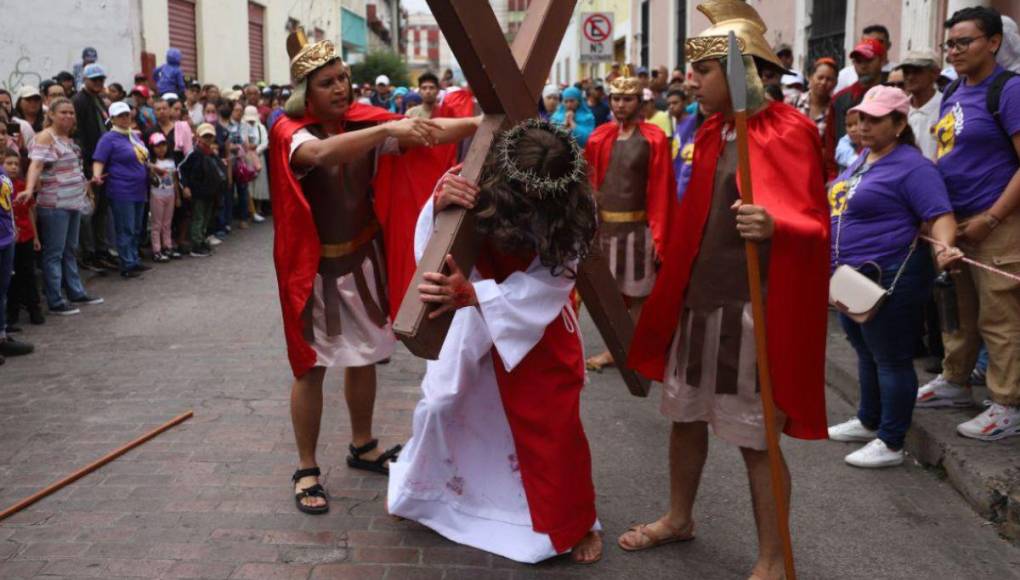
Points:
[[121, 162], [880, 205]]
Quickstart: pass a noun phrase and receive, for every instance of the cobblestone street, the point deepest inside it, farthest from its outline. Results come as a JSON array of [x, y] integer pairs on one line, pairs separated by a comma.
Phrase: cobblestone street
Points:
[[211, 498]]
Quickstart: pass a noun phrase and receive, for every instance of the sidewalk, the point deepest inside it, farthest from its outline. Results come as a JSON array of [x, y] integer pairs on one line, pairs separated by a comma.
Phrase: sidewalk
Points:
[[986, 474]]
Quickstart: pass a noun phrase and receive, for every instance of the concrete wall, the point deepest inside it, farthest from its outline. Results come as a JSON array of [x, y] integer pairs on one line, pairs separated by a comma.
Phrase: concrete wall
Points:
[[883, 12], [38, 43]]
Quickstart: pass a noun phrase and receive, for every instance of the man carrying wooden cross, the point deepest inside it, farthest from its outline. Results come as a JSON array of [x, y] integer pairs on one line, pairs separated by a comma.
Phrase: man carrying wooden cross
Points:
[[696, 333], [632, 173]]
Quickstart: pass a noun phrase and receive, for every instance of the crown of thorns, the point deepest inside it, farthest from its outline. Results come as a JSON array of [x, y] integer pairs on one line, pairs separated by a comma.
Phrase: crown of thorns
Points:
[[534, 182]]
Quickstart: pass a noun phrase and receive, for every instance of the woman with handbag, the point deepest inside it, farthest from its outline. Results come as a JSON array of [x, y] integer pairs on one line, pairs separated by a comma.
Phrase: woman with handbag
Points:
[[883, 273]]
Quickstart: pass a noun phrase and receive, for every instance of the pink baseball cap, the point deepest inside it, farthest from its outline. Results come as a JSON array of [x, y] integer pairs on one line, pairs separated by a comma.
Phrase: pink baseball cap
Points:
[[882, 100], [156, 139]]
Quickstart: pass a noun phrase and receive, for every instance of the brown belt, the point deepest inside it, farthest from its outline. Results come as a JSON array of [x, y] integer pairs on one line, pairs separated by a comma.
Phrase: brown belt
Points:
[[620, 217], [344, 249]]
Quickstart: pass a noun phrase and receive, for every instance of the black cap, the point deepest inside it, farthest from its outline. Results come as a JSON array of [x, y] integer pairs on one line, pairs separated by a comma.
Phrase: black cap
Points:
[[63, 76]]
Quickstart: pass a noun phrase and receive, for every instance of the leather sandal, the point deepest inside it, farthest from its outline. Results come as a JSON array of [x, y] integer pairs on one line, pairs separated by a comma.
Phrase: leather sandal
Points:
[[676, 535], [378, 465], [312, 491]]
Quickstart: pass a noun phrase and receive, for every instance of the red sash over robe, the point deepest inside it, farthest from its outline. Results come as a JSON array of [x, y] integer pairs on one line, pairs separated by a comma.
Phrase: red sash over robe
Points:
[[661, 190], [403, 185], [296, 247], [788, 177], [542, 397]]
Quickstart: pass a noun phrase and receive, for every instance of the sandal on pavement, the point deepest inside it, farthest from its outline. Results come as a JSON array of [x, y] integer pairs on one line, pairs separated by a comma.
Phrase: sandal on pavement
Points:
[[652, 541], [378, 465], [313, 491]]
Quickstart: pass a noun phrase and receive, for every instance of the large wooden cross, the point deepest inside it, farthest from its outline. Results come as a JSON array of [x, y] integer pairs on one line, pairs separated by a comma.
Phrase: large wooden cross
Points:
[[507, 81]]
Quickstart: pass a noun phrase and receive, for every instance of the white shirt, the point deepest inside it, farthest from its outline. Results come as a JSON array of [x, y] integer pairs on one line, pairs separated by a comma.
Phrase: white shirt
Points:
[[922, 120]]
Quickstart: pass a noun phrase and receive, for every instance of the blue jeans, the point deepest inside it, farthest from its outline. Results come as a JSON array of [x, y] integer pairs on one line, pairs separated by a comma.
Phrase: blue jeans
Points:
[[127, 218], [242, 201], [6, 269], [58, 229], [226, 215], [885, 351]]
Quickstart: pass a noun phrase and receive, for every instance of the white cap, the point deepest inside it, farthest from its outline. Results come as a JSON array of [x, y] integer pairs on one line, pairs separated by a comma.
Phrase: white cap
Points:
[[550, 91], [170, 97], [251, 114], [119, 108], [793, 79], [28, 91], [382, 80]]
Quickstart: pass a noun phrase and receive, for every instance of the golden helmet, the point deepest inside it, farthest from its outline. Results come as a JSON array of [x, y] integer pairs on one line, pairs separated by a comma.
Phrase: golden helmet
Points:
[[305, 57], [726, 16]]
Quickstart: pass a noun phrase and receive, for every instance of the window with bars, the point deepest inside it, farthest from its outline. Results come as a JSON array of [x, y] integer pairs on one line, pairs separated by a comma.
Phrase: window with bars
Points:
[[256, 43], [828, 30]]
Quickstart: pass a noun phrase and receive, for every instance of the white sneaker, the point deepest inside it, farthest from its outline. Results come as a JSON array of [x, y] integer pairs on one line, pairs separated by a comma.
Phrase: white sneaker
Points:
[[213, 241], [941, 393], [875, 454], [997, 422], [258, 218], [851, 430]]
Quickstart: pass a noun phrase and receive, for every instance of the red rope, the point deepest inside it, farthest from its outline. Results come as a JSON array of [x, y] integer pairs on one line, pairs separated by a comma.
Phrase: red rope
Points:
[[975, 262]]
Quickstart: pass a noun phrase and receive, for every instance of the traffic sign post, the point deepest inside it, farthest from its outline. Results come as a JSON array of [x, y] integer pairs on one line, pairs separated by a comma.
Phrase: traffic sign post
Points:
[[596, 37]]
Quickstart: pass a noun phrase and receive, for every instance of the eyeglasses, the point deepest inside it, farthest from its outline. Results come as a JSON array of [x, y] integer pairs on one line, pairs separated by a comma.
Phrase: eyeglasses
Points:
[[960, 43]]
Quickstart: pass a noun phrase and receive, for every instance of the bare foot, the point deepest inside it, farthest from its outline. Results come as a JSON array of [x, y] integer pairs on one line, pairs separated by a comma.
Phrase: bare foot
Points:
[[657, 533], [303, 484], [588, 550], [596, 363], [768, 571]]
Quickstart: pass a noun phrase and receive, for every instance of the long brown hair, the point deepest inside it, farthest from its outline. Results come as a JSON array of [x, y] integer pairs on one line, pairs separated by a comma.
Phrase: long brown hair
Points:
[[558, 227]]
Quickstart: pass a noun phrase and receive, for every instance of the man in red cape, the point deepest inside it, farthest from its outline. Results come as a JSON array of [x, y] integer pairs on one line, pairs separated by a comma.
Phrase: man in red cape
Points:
[[631, 170], [325, 154], [419, 168], [696, 332]]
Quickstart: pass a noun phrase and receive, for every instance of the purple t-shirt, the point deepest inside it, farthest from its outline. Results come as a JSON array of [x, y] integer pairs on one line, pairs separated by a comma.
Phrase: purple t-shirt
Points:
[[683, 163], [6, 210], [127, 176], [975, 157], [882, 205]]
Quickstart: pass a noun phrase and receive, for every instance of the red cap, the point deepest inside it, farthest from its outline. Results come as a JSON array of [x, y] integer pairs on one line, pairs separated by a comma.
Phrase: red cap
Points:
[[142, 90], [868, 48]]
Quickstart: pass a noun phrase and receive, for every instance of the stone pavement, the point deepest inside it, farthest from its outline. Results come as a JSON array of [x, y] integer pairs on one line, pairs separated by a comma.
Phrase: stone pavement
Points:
[[211, 498]]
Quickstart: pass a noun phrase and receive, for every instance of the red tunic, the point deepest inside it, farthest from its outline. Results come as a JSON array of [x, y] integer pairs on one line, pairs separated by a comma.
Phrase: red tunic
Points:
[[661, 191], [416, 173], [541, 397], [296, 247], [787, 173]]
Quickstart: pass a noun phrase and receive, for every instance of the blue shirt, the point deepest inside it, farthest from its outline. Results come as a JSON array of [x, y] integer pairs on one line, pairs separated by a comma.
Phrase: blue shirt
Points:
[[883, 205], [975, 153]]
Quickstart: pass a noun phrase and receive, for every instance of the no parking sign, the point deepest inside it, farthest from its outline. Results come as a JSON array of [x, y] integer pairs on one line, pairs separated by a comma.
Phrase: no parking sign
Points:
[[596, 37]]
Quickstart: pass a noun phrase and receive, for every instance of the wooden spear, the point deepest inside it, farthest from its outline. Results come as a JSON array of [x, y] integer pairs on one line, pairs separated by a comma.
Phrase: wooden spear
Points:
[[92, 466], [736, 75]]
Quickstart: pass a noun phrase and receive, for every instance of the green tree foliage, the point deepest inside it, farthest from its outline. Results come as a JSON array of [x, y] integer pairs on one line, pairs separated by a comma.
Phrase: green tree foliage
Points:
[[381, 62]]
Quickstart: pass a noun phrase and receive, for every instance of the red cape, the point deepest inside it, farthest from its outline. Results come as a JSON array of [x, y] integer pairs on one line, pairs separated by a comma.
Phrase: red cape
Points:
[[296, 244], [403, 185], [661, 191], [787, 173]]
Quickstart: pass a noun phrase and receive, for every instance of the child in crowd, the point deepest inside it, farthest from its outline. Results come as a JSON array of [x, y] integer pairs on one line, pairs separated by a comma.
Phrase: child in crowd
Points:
[[162, 198], [849, 145], [8, 346], [24, 290], [203, 177]]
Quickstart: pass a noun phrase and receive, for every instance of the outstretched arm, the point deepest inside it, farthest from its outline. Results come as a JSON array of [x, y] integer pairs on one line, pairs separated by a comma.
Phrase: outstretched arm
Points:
[[451, 130], [350, 145]]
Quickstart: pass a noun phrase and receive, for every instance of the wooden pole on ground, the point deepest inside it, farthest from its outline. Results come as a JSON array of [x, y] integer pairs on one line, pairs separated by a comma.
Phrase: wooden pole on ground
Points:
[[92, 466], [738, 94]]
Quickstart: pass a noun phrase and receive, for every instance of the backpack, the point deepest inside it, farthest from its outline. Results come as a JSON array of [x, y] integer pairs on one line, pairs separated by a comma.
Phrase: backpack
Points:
[[992, 99]]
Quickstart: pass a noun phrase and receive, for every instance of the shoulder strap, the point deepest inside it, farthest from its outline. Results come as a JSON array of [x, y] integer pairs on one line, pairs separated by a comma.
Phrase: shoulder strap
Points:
[[994, 96], [951, 89]]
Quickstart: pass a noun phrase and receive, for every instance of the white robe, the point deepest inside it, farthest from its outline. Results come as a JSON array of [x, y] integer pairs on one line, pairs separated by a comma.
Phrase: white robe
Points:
[[458, 474]]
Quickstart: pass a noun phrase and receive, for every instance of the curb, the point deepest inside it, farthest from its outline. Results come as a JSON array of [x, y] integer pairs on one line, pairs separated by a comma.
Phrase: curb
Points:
[[986, 474]]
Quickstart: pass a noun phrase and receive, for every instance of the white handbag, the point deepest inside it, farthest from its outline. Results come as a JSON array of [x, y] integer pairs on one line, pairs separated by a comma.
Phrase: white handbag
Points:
[[853, 293]]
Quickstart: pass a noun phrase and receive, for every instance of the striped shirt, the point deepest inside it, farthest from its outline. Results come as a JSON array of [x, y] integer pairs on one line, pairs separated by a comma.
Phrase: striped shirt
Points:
[[62, 184]]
